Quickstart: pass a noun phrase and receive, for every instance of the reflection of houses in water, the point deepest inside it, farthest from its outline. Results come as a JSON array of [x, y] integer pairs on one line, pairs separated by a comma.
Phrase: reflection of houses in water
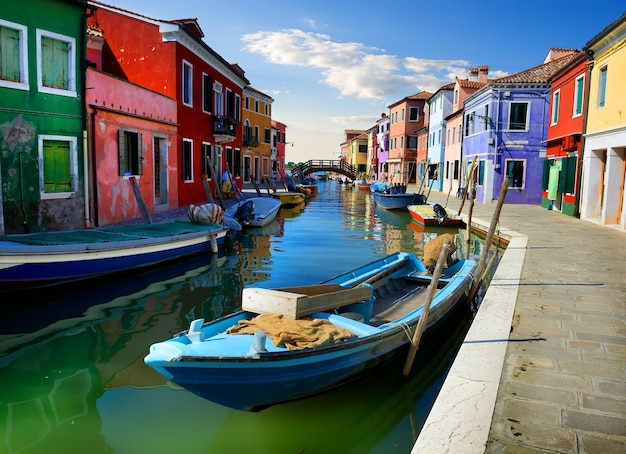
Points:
[[256, 242], [48, 411], [47, 394]]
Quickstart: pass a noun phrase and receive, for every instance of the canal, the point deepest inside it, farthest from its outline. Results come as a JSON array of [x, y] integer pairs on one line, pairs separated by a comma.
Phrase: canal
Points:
[[72, 377]]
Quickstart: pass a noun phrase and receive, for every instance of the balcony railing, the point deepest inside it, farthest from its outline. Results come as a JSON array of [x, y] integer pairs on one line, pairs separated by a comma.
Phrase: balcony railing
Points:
[[224, 125], [251, 142]]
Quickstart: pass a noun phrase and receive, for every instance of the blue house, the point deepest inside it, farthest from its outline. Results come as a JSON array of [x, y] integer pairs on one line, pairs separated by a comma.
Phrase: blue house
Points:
[[505, 126]]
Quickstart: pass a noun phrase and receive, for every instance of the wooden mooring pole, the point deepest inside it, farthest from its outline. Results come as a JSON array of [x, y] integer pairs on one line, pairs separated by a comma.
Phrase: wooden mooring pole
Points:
[[421, 324], [488, 240]]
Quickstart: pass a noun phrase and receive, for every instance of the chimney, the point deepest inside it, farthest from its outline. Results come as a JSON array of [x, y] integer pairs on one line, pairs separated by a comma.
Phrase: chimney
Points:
[[483, 72], [473, 74]]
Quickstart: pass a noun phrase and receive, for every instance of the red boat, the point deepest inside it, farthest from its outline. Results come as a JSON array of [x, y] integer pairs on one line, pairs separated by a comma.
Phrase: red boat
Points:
[[434, 215]]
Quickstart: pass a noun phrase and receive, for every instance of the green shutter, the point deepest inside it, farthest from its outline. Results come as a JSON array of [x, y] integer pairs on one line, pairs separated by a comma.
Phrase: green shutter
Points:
[[56, 166], [570, 180], [139, 155], [546, 174], [54, 63], [9, 54], [121, 151]]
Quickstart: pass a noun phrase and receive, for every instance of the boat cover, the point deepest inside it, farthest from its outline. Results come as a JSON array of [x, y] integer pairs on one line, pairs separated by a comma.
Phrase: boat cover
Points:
[[293, 334]]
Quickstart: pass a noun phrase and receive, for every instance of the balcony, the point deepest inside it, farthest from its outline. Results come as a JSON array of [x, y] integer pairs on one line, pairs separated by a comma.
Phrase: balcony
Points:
[[250, 141], [224, 128]]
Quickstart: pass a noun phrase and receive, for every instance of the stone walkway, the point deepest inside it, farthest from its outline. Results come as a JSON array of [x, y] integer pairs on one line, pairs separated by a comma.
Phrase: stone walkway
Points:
[[543, 368]]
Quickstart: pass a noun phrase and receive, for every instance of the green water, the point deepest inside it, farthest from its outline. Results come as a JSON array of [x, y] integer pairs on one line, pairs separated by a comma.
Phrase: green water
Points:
[[72, 377]]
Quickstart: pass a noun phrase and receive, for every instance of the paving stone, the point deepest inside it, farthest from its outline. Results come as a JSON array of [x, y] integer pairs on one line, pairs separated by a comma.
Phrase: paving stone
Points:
[[604, 404], [563, 397], [594, 422], [611, 387], [534, 412], [591, 443], [591, 370]]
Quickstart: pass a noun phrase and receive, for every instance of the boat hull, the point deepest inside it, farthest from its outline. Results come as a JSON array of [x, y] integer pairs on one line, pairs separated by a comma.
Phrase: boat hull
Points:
[[230, 371], [289, 199], [265, 211], [425, 215], [393, 201], [35, 264]]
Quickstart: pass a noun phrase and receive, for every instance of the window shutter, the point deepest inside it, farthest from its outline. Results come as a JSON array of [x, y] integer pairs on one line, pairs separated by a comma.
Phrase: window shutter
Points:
[[546, 174], [139, 155], [9, 54], [56, 166], [121, 151]]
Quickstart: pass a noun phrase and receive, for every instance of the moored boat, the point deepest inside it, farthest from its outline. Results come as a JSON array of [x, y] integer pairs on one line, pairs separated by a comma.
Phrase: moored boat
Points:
[[434, 215], [289, 199], [254, 211], [52, 258], [373, 310]]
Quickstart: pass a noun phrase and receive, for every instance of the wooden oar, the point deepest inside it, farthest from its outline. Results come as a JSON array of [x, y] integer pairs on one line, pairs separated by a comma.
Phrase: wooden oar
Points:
[[421, 324]]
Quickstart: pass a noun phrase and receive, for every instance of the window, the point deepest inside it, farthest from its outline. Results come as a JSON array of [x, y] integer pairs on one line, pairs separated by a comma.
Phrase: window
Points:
[[207, 93], [481, 173], [230, 103], [414, 113], [59, 167], [206, 160], [486, 118], [130, 157], [456, 96], [187, 84], [402, 115], [268, 135], [237, 108], [401, 142], [13, 56], [556, 97], [256, 133], [518, 116], [219, 99], [187, 160], [579, 92], [453, 134], [515, 170], [602, 86], [256, 105], [56, 64], [247, 103], [411, 142]]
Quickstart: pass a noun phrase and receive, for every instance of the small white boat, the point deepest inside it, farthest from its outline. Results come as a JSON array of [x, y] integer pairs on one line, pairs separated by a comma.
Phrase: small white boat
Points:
[[254, 212]]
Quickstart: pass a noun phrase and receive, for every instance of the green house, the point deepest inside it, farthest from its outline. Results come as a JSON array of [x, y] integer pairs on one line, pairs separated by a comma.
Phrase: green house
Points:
[[42, 116]]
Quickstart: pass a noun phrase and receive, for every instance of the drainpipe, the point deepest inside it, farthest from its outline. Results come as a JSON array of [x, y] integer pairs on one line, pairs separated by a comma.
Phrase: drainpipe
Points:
[[83, 73]]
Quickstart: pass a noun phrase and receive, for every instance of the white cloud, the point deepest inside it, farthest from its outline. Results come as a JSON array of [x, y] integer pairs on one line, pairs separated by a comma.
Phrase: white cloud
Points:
[[352, 68]]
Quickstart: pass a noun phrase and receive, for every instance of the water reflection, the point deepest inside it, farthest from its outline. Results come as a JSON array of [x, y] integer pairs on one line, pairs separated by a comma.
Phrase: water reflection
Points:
[[72, 377]]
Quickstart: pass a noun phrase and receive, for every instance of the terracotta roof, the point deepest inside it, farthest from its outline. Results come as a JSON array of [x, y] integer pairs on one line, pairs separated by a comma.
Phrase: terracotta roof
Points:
[[466, 83], [539, 74], [420, 95]]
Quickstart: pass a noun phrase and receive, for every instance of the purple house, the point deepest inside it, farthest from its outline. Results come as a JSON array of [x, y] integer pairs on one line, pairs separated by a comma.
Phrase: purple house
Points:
[[505, 126]]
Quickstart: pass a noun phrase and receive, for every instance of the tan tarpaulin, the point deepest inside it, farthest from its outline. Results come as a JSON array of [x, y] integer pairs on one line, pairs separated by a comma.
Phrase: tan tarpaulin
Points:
[[293, 334]]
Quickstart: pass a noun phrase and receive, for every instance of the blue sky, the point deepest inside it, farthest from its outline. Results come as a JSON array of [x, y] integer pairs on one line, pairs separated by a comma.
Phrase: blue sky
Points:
[[336, 65]]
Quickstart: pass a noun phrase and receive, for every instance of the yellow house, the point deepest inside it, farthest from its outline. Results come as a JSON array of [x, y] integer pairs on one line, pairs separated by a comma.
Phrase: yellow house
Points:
[[604, 160], [257, 134]]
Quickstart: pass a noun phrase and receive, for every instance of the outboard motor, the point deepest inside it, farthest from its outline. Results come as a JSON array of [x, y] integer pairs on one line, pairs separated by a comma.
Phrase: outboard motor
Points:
[[440, 212], [244, 212]]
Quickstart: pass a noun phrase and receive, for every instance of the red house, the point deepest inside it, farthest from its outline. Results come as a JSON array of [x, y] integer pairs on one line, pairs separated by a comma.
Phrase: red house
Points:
[[170, 57], [561, 175]]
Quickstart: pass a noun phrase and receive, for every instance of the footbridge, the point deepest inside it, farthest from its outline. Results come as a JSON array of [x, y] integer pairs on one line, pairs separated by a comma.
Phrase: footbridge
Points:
[[321, 165]]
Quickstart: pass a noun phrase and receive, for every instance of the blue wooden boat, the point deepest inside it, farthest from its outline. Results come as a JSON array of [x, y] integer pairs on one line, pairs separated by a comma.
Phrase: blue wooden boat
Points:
[[394, 197], [51, 258], [379, 304]]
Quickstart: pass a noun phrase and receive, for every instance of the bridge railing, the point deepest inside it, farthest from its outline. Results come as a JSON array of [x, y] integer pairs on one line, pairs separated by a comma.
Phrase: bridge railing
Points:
[[315, 165]]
